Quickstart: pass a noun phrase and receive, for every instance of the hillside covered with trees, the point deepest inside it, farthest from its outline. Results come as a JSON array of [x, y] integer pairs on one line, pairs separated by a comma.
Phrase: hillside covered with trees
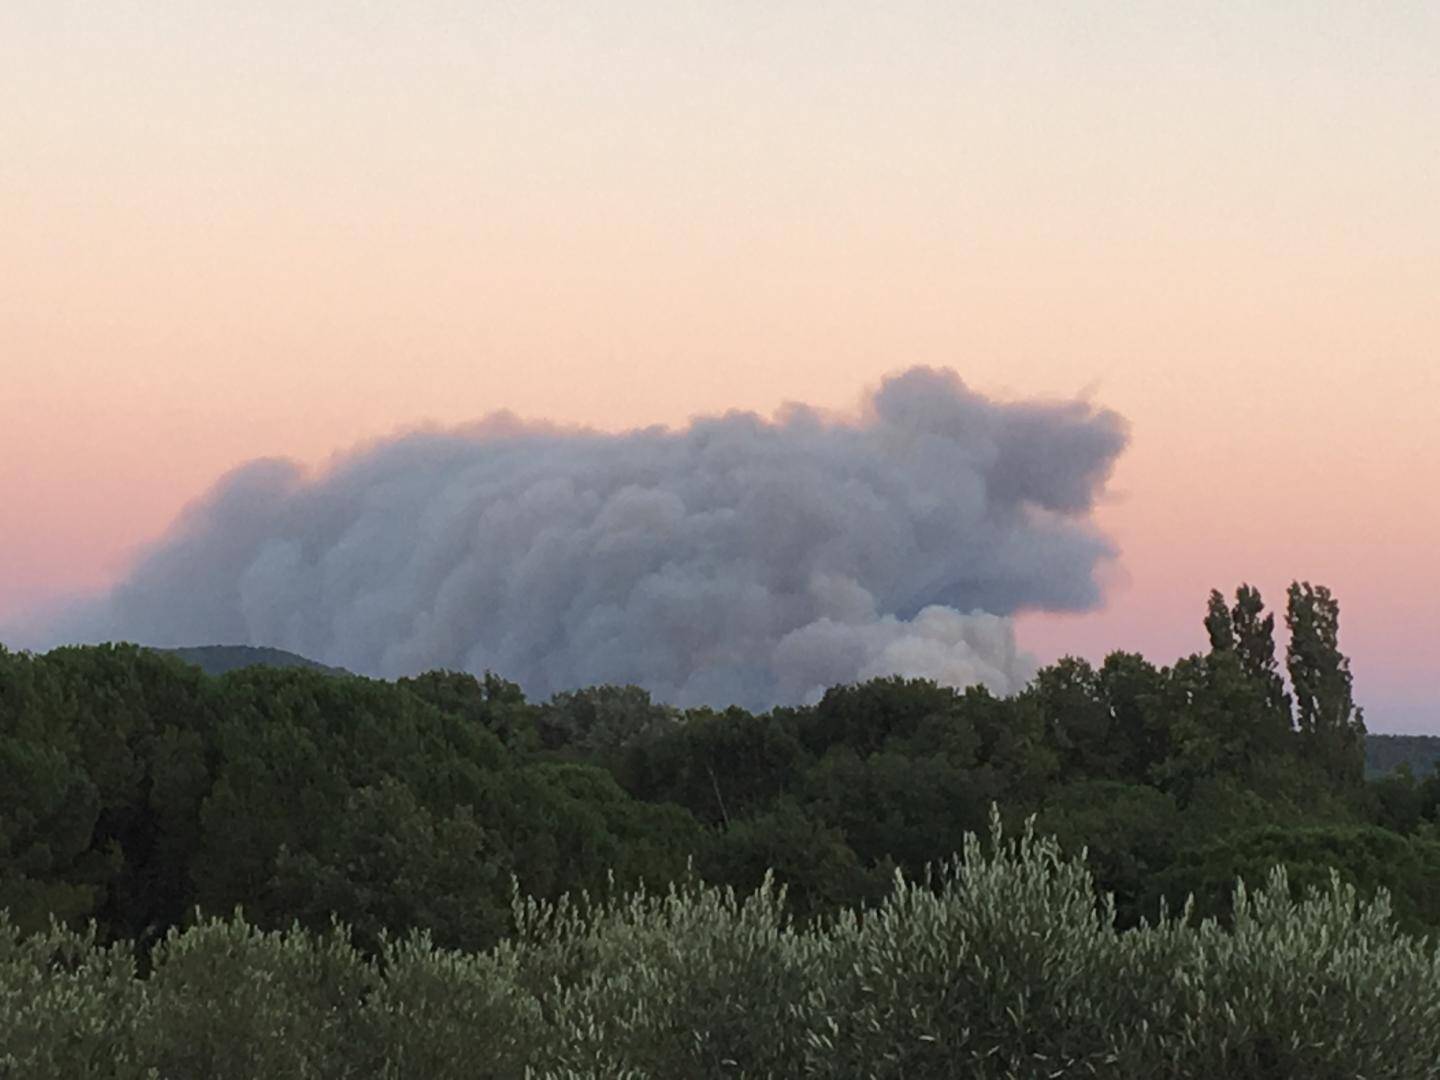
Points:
[[223, 659], [1384, 754], [139, 795]]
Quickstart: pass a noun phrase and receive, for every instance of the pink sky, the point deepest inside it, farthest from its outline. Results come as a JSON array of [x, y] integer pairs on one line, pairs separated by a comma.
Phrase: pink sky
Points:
[[232, 232]]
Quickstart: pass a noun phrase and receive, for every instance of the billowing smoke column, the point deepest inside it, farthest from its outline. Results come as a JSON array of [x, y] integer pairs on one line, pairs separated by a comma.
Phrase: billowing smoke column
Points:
[[735, 560]]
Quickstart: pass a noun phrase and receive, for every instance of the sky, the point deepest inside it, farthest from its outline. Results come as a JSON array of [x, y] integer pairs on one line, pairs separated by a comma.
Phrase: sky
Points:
[[233, 231]]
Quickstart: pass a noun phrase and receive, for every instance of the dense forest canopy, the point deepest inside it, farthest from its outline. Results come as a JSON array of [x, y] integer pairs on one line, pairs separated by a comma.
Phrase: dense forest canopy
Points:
[[137, 789]]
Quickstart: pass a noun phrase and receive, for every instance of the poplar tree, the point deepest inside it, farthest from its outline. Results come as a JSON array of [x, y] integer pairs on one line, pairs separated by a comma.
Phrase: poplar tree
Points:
[[1254, 631], [1218, 624], [1247, 632], [1328, 717]]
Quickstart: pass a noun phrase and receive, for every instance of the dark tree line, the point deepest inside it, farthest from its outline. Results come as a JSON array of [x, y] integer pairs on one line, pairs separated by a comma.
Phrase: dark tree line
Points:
[[135, 790]]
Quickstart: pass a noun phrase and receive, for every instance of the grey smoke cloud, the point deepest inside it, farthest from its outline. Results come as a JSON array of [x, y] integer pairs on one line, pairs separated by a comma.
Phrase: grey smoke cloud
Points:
[[737, 559]]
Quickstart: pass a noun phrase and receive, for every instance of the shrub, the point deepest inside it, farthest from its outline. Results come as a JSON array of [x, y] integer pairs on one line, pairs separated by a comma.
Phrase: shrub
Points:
[[69, 1008], [1001, 964], [227, 1001]]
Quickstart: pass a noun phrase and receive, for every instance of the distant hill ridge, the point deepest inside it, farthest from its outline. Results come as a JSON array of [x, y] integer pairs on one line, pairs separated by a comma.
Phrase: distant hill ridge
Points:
[[1385, 753], [218, 659]]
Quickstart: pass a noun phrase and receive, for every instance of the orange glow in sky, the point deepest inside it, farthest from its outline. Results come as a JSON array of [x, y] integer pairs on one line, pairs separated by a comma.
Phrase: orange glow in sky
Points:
[[231, 231]]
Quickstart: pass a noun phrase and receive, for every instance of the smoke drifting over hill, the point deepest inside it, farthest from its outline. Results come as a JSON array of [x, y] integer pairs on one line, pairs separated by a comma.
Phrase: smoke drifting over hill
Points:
[[737, 559]]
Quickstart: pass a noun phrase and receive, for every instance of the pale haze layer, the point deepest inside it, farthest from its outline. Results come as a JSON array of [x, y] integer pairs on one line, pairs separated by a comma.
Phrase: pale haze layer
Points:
[[230, 231], [733, 561]]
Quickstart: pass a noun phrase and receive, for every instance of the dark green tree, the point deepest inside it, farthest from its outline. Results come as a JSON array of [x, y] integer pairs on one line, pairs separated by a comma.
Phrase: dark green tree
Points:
[[909, 809], [864, 716], [1328, 718], [1133, 691], [1367, 857], [490, 702], [1247, 632], [599, 722], [101, 774], [391, 865], [1015, 753], [1078, 720], [810, 858], [1218, 624], [1399, 801], [1254, 630], [718, 765], [1129, 832]]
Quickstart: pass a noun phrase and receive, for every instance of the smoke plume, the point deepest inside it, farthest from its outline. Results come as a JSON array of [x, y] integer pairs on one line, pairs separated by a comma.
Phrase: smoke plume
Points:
[[737, 559]]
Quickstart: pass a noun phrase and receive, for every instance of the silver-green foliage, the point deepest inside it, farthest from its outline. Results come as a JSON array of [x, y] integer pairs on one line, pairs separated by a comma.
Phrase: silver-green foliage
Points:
[[439, 1014], [694, 982], [1005, 966], [69, 1009], [1323, 987], [1002, 964], [225, 1001]]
